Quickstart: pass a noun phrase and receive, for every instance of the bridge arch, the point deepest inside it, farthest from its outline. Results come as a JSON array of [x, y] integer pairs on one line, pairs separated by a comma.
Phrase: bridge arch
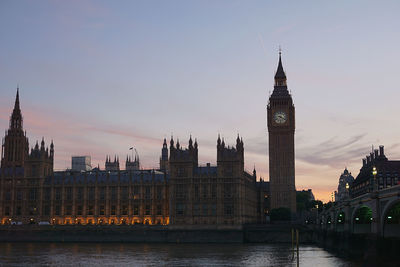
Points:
[[390, 219], [361, 219]]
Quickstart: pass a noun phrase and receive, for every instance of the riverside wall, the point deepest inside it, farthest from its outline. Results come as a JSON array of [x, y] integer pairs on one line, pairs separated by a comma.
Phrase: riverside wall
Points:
[[366, 248], [152, 234], [369, 249]]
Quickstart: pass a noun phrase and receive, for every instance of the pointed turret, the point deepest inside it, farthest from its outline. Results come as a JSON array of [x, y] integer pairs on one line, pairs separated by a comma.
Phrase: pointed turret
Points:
[[190, 142], [280, 73], [52, 149], [42, 144], [16, 116], [16, 105], [164, 156], [280, 88], [165, 143]]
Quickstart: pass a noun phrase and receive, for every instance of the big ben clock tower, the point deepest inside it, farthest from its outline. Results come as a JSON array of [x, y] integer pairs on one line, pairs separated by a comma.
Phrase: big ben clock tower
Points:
[[281, 127]]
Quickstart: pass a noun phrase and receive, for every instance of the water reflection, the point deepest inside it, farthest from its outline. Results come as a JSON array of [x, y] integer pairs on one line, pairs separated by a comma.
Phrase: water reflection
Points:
[[86, 254]]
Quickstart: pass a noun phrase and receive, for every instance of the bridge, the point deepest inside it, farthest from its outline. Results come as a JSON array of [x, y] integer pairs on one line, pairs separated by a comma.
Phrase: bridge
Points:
[[376, 212]]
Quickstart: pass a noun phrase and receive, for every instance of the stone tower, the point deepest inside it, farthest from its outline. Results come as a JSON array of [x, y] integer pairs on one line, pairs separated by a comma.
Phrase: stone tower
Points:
[[132, 164], [112, 165], [281, 128], [164, 157], [182, 166], [15, 147]]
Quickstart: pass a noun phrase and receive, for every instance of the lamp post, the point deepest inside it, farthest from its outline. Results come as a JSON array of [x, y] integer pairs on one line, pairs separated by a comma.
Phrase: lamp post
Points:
[[374, 173], [347, 190]]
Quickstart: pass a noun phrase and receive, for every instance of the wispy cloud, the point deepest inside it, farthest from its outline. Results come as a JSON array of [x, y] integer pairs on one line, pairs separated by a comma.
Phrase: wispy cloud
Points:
[[333, 151]]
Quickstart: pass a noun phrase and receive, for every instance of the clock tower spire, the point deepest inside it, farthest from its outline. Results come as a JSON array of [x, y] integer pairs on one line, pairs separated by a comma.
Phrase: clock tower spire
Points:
[[281, 129]]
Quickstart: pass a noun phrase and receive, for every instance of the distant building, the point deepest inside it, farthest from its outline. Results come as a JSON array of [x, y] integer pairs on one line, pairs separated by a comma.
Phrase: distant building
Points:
[[387, 173], [81, 163], [345, 182]]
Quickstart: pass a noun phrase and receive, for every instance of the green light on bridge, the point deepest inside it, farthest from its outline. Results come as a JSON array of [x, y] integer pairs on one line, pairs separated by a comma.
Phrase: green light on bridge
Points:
[[357, 219], [389, 217]]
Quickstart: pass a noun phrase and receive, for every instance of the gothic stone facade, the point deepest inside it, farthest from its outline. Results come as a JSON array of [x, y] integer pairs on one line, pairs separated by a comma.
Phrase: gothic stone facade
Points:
[[281, 128], [223, 195], [180, 192]]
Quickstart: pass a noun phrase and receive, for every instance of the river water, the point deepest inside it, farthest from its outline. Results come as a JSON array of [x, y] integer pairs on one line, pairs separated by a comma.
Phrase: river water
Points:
[[115, 254]]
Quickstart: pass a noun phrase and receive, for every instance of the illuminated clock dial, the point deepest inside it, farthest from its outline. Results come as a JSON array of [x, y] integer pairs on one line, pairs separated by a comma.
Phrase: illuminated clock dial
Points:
[[280, 117]]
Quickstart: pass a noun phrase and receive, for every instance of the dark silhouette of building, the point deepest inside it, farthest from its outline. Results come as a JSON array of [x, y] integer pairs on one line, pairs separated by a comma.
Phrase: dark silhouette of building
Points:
[[31, 192], [22, 172], [223, 195], [281, 128], [387, 173], [164, 156], [345, 182], [112, 165], [132, 164], [15, 146]]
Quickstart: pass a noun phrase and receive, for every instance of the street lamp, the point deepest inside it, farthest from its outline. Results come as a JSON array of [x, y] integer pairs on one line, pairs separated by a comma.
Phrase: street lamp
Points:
[[374, 172], [347, 190]]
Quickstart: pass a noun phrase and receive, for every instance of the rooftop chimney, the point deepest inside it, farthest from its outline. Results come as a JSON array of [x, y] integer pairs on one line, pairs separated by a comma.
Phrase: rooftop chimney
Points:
[[376, 153], [364, 161], [368, 159]]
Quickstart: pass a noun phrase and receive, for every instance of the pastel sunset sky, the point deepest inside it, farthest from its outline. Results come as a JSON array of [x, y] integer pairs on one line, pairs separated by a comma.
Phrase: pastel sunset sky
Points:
[[99, 77]]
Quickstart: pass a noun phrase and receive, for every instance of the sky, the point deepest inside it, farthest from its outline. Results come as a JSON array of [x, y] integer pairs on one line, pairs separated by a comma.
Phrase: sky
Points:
[[99, 77]]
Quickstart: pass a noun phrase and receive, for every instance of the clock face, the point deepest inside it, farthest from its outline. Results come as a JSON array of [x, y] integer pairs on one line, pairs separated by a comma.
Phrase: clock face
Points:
[[280, 117]]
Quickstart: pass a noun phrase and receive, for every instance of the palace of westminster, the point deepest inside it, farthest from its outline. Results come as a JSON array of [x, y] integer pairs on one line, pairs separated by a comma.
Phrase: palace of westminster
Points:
[[179, 193]]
